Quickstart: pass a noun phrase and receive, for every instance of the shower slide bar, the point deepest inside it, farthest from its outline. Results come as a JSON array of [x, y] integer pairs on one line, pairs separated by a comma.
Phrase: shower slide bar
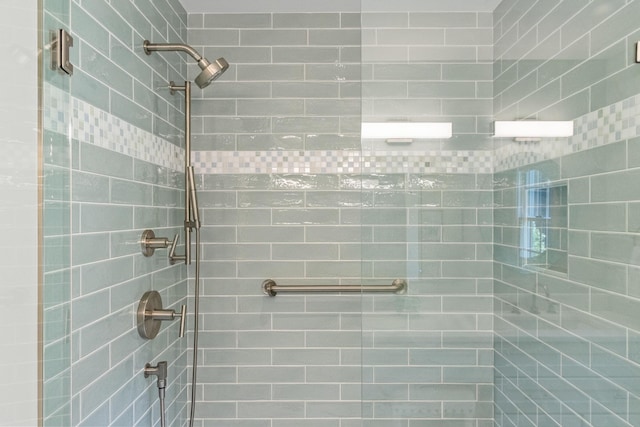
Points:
[[271, 288]]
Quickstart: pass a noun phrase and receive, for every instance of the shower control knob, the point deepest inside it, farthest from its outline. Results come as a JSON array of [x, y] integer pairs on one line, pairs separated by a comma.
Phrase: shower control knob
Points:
[[149, 243], [150, 315], [173, 258]]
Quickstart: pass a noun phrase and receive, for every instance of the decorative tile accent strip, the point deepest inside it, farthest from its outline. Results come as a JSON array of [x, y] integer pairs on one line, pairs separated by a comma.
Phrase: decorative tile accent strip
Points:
[[89, 124], [56, 109], [94, 126], [610, 124], [266, 162]]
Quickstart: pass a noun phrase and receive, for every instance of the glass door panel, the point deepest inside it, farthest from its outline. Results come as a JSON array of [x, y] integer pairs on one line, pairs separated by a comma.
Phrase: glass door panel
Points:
[[428, 353], [56, 220]]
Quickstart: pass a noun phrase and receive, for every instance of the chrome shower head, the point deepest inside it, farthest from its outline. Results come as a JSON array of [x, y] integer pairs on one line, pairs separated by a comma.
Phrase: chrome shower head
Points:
[[210, 71]]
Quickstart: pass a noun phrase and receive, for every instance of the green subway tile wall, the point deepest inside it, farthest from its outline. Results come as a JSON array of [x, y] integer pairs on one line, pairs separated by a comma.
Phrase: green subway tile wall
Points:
[[102, 188], [288, 191], [562, 340], [425, 356]]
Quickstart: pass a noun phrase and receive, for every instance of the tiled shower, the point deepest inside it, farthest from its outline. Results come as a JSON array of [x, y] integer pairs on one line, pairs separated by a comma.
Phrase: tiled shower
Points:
[[293, 195], [487, 334]]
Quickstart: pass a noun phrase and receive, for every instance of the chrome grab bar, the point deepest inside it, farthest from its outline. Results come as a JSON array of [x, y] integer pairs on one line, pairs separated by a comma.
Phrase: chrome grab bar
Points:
[[271, 288]]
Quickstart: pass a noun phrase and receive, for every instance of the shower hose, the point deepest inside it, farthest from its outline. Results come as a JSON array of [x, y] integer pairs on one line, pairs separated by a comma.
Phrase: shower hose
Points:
[[161, 393], [196, 314]]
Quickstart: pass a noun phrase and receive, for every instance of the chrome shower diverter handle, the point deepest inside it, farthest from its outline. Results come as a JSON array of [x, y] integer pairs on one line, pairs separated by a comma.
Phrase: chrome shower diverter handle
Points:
[[150, 315], [149, 243], [173, 258], [169, 315]]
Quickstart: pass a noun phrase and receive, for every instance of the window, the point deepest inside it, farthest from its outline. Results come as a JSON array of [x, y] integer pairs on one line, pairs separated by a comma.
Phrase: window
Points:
[[543, 224]]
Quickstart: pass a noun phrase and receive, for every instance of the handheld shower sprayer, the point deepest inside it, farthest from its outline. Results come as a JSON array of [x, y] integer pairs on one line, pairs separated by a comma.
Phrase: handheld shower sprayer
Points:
[[210, 70]]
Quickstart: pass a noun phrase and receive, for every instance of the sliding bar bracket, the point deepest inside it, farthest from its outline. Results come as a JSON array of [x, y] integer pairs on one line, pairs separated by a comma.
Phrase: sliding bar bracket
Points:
[[271, 288]]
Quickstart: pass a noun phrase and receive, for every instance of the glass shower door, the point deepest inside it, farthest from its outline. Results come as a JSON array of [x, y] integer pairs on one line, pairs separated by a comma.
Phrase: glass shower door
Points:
[[428, 353], [520, 250], [565, 240], [56, 219], [112, 168]]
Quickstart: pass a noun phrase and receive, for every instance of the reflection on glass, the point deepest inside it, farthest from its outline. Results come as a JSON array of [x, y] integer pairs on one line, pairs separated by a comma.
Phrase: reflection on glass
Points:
[[543, 224]]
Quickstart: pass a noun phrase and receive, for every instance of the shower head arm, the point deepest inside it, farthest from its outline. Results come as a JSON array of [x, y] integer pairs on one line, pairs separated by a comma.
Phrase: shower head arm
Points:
[[210, 71], [171, 47]]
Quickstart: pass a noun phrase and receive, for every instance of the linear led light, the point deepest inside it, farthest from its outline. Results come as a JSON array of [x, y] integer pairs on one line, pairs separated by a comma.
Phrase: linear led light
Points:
[[407, 130], [533, 129]]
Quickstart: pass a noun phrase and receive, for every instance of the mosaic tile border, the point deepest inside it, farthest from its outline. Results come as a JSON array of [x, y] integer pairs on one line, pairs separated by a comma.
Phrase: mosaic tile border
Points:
[[607, 125], [91, 125], [319, 162], [86, 123]]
